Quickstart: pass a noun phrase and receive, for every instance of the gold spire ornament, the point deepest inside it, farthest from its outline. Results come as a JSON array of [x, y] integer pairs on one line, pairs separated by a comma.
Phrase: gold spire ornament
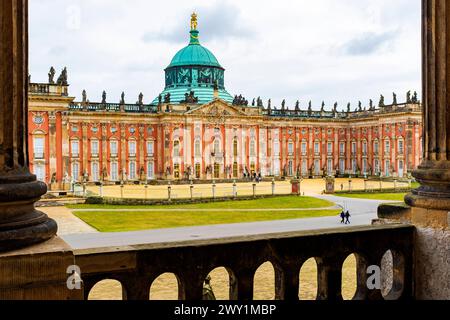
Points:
[[194, 22]]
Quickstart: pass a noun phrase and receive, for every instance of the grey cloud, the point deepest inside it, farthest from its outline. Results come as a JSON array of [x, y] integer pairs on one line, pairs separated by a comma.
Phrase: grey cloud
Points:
[[368, 43], [219, 23]]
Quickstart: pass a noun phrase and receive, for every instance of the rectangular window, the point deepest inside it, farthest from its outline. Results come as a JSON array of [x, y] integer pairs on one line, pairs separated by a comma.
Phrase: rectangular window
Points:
[[304, 148], [354, 166], [39, 171], [95, 173], [353, 148], [252, 148], [150, 170], [276, 149], [304, 168], [387, 147], [235, 170], [291, 148], [387, 168], [342, 166], [376, 148], [401, 147], [317, 167], [365, 148], [342, 147], [39, 147], [377, 167], [150, 148], [330, 166], [75, 172], [132, 170], [364, 168], [316, 147], [75, 146], [235, 148], [132, 148], [113, 147], [176, 149], [114, 171], [94, 147], [330, 147]]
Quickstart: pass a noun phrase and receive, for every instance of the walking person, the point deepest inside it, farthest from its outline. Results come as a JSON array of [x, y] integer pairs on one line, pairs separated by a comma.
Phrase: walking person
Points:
[[342, 217], [347, 217]]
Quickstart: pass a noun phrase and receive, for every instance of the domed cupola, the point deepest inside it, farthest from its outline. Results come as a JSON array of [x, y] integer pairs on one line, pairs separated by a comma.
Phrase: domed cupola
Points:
[[194, 69]]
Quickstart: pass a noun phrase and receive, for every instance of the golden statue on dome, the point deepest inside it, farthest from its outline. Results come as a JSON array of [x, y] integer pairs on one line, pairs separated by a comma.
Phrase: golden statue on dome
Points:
[[194, 22]]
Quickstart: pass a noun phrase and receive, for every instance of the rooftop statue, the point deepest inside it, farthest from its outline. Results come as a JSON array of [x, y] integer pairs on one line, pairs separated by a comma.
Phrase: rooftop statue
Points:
[[297, 106], [194, 21], [104, 97], [394, 99], [323, 107], [84, 96], [62, 80], [415, 99], [359, 105], [122, 98], [141, 99], [51, 75], [283, 105], [349, 105], [159, 99], [381, 104], [310, 108], [167, 98], [253, 102], [408, 97], [190, 98], [335, 107], [371, 105], [269, 103], [259, 102]]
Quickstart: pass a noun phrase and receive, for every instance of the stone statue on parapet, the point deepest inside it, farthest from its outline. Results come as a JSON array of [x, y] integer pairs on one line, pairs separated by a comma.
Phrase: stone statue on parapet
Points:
[[84, 96], [283, 105], [259, 102], [240, 101], [310, 110], [190, 98], [408, 97], [62, 80], [167, 98], [141, 99], [371, 105], [254, 102], [269, 104], [349, 105], [394, 99], [122, 98], [104, 97], [297, 106], [415, 98], [359, 106], [335, 107], [159, 99], [381, 104], [51, 75], [323, 107]]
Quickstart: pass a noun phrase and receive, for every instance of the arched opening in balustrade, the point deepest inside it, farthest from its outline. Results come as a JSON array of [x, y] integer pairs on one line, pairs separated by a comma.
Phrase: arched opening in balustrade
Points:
[[308, 280], [349, 277], [392, 275], [165, 287], [264, 282], [107, 289], [222, 285]]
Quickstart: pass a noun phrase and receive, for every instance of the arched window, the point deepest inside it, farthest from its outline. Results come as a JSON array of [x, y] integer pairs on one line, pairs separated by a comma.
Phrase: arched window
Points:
[[198, 148], [252, 148], [176, 148], [216, 146]]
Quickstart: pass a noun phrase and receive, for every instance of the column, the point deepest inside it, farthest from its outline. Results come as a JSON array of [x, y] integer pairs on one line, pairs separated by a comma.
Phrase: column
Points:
[[434, 172], [104, 163], [65, 140], [20, 224], [86, 170]]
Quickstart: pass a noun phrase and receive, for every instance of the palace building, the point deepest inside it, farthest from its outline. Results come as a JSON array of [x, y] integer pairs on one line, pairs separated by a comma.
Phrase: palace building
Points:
[[196, 130]]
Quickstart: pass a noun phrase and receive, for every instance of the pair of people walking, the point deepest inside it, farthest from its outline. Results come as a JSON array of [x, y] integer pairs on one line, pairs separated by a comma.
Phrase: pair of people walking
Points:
[[345, 217]]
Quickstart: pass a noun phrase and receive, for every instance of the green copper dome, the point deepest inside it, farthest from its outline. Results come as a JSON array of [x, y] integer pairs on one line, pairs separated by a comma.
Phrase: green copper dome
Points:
[[194, 71], [194, 55]]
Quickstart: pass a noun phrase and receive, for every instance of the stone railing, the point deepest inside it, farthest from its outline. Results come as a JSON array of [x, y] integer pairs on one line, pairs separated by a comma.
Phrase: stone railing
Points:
[[136, 267], [112, 107], [48, 89]]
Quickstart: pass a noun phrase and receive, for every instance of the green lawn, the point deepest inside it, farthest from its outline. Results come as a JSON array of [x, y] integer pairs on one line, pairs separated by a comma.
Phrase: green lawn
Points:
[[118, 221], [375, 196], [267, 203]]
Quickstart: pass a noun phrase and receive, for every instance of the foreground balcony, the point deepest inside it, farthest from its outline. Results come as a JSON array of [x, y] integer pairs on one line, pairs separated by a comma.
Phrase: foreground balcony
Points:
[[137, 266]]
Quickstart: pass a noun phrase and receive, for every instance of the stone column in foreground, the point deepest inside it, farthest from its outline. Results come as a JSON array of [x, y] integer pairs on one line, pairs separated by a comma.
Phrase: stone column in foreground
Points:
[[20, 224], [430, 204]]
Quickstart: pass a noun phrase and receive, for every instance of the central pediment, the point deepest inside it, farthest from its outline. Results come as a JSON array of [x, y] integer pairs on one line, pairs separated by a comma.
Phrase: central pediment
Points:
[[217, 108]]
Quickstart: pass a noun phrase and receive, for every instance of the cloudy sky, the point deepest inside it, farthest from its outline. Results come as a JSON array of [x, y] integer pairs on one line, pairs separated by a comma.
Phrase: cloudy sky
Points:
[[332, 50]]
